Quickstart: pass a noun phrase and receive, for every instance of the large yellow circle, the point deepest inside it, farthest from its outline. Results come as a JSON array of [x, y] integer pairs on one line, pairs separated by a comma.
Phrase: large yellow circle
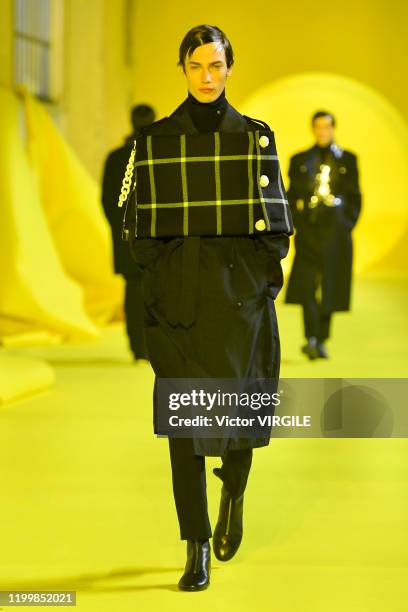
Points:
[[368, 125]]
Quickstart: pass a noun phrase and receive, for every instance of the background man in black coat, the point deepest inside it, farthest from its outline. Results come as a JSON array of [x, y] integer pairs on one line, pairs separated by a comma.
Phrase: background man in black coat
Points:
[[115, 164], [325, 200]]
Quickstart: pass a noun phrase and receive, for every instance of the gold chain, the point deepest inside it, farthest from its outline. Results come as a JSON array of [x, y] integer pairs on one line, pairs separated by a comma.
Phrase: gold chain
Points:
[[127, 179]]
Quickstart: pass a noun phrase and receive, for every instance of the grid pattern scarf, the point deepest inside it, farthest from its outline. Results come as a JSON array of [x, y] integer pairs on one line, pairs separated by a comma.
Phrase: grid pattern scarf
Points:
[[208, 184]]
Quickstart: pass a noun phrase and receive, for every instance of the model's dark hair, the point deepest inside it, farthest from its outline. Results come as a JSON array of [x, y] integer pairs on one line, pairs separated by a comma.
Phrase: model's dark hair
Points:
[[323, 113], [201, 35], [141, 115]]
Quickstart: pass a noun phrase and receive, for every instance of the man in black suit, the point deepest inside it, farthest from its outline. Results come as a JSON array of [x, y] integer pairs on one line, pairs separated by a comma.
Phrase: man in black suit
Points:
[[141, 115], [325, 201]]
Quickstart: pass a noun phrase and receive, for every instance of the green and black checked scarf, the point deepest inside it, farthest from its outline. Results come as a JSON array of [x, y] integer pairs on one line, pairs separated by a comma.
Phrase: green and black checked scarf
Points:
[[209, 184]]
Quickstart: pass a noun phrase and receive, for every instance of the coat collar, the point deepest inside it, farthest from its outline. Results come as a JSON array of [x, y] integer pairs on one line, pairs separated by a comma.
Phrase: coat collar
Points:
[[335, 150], [180, 120]]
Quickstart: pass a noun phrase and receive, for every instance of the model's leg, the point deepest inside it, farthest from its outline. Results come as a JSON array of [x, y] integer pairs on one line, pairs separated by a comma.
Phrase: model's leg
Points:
[[229, 529], [324, 333], [310, 319], [234, 472], [325, 321], [311, 312], [190, 489]]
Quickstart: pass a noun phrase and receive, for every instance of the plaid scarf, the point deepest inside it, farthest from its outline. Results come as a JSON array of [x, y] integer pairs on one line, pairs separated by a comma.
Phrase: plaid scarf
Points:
[[208, 184]]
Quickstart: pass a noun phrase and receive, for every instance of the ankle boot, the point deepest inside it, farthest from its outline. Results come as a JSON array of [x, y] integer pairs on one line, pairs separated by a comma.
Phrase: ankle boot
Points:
[[196, 575], [228, 531]]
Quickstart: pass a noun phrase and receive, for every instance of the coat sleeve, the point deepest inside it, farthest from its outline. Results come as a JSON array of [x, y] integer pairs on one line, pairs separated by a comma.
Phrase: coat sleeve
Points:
[[275, 246], [145, 251], [271, 249], [353, 202]]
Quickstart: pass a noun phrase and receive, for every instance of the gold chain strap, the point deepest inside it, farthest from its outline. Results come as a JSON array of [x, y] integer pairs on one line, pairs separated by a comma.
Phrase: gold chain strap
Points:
[[127, 179]]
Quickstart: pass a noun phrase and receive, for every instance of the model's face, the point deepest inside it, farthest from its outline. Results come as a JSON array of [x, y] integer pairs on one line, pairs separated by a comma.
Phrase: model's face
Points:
[[323, 131], [206, 72]]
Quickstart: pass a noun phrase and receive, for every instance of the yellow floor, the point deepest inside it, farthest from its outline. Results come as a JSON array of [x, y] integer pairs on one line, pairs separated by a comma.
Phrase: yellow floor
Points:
[[87, 502]]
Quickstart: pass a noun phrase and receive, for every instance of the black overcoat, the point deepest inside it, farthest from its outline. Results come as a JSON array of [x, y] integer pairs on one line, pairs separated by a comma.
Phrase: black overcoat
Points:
[[209, 301], [323, 246]]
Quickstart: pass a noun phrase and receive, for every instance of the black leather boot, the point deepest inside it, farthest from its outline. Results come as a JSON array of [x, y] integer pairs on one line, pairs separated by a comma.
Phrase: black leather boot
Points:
[[228, 531], [196, 575]]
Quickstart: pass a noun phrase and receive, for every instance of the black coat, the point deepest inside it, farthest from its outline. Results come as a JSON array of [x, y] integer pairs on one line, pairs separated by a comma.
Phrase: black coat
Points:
[[114, 169], [323, 245], [209, 301]]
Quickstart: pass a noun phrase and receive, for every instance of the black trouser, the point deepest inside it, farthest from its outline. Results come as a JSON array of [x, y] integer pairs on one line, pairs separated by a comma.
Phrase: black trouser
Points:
[[190, 486], [134, 314], [316, 323]]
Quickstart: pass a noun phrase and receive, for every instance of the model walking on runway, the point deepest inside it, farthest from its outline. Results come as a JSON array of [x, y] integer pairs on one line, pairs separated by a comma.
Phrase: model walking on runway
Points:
[[211, 275]]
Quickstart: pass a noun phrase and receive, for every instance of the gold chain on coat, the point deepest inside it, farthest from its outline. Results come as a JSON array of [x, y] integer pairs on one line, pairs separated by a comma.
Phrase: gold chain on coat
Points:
[[127, 179]]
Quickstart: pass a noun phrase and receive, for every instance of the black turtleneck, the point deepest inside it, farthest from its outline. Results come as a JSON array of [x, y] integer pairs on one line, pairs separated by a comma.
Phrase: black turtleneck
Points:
[[206, 116]]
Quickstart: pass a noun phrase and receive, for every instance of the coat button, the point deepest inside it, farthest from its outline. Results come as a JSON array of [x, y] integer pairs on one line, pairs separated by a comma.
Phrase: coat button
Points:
[[264, 141], [263, 181], [260, 225], [231, 266], [218, 112], [239, 304], [342, 170]]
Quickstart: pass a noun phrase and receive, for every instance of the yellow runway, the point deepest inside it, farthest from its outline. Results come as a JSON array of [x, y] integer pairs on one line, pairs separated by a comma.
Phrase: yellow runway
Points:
[[87, 502]]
